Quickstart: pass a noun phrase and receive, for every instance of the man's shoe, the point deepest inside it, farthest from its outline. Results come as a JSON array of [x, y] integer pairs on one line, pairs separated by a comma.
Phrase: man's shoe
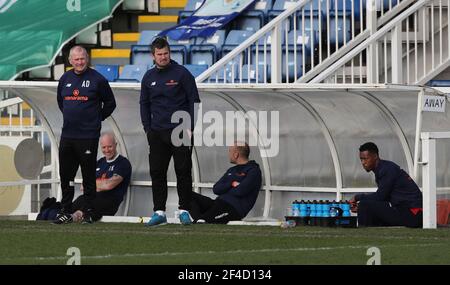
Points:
[[63, 219], [87, 219], [185, 218], [157, 220]]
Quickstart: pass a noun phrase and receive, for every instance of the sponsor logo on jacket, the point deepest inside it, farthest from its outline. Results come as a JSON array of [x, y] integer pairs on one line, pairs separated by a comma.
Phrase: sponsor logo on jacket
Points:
[[76, 96]]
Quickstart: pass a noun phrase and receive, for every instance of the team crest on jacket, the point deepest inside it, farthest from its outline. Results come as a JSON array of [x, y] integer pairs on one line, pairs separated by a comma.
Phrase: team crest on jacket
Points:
[[76, 92]]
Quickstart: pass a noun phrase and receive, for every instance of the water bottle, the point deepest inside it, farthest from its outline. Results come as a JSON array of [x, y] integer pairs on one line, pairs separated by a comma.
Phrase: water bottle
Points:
[[326, 209], [288, 224], [295, 209], [303, 209], [345, 209]]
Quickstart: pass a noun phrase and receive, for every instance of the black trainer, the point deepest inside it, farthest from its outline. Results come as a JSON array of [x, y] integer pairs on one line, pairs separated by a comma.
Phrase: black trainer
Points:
[[87, 218], [63, 219]]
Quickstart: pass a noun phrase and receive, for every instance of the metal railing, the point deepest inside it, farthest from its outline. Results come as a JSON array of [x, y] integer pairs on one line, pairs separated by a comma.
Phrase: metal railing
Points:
[[301, 41], [412, 48]]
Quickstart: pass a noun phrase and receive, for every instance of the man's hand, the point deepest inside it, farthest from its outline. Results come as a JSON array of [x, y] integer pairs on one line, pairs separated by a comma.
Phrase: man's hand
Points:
[[234, 184]]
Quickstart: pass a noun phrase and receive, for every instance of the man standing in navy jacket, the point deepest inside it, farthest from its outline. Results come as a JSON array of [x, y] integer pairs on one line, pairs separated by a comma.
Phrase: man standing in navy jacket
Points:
[[237, 190], [85, 100], [398, 199], [166, 89]]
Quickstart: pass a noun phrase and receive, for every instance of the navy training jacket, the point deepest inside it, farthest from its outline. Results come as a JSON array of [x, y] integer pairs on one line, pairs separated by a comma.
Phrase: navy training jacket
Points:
[[85, 100], [243, 196]]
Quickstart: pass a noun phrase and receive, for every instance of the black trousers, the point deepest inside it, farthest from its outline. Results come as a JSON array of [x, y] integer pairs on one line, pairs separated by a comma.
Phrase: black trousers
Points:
[[102, 206], [381, 213], [161, 151], [212, 211], [74, 153]]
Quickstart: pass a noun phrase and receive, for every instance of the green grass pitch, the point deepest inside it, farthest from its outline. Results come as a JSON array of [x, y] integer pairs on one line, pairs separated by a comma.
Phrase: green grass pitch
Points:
[[30, 242]]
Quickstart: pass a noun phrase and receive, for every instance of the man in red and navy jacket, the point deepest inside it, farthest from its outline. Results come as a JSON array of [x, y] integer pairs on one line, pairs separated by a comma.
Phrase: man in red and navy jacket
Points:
[[398, 199], [237, 190]]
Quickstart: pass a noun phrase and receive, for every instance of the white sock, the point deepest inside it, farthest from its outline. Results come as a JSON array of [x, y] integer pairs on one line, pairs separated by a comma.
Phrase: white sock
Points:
[[161, 213]]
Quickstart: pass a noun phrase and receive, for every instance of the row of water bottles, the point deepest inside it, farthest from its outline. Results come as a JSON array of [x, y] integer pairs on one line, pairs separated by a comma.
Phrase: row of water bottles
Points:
[[320, 208]]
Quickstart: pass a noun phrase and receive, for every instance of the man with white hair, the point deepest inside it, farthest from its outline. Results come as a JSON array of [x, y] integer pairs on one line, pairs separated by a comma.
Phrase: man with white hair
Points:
[[85, 100]]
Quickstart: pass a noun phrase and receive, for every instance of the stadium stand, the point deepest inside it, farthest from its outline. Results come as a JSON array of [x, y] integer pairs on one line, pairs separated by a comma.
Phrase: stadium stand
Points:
[[110, 72], [132, 73], [190, 7], [196, 69]]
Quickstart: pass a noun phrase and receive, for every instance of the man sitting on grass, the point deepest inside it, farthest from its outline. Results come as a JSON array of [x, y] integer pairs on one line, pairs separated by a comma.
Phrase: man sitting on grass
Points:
[[237, 190]]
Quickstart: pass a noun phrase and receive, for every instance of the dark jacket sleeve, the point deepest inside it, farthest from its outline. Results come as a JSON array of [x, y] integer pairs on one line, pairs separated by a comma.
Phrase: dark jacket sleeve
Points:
[[59, 97], [145, 106], [251, 183], [223, 185], [386, 181], [109, 102], [190, 87]]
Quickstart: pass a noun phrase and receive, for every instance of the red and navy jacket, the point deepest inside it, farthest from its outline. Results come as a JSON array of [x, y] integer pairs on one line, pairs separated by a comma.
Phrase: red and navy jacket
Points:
[[85, 100], [165, 91], [394, 186], [239, 187]]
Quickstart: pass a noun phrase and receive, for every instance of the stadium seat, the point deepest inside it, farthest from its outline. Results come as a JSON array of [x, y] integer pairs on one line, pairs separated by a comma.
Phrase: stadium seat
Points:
[[308, 39], [227, 75], [207, 50], [190, 8], [235, 38], [132, 73], [179, 49], [109, 71], [146, 37], [439, 83], [133, 5], [42, 73], [251, 74], [141, 55], [338, 36], [259, 7], [88, 36], [291, 75], [196, 69], [250, 22]]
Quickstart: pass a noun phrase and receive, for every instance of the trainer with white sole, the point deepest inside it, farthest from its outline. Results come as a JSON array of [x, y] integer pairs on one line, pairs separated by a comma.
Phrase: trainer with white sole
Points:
[[166, 89]]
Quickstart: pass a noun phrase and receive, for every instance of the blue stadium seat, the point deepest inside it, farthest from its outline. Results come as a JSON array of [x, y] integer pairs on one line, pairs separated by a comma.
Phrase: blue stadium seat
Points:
[[309, 39], [146, 37], [251, 74], [196, 69], [141, 55], [179, 49], [227, 75], [280, 5], [109, 71], [190, 7], [250, 23], [235, 38], [339, 35], [291, 63], [207, 50], [259, 7], [439, 83], [132, 73]]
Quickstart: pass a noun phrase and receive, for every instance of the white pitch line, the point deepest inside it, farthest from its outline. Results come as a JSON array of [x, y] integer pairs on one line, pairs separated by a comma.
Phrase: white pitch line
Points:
[[220, 252]]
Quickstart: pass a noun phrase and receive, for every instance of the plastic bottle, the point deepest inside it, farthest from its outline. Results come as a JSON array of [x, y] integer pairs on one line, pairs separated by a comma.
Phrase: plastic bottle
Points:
[[345, 206], [295, 209], [288, 224]]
